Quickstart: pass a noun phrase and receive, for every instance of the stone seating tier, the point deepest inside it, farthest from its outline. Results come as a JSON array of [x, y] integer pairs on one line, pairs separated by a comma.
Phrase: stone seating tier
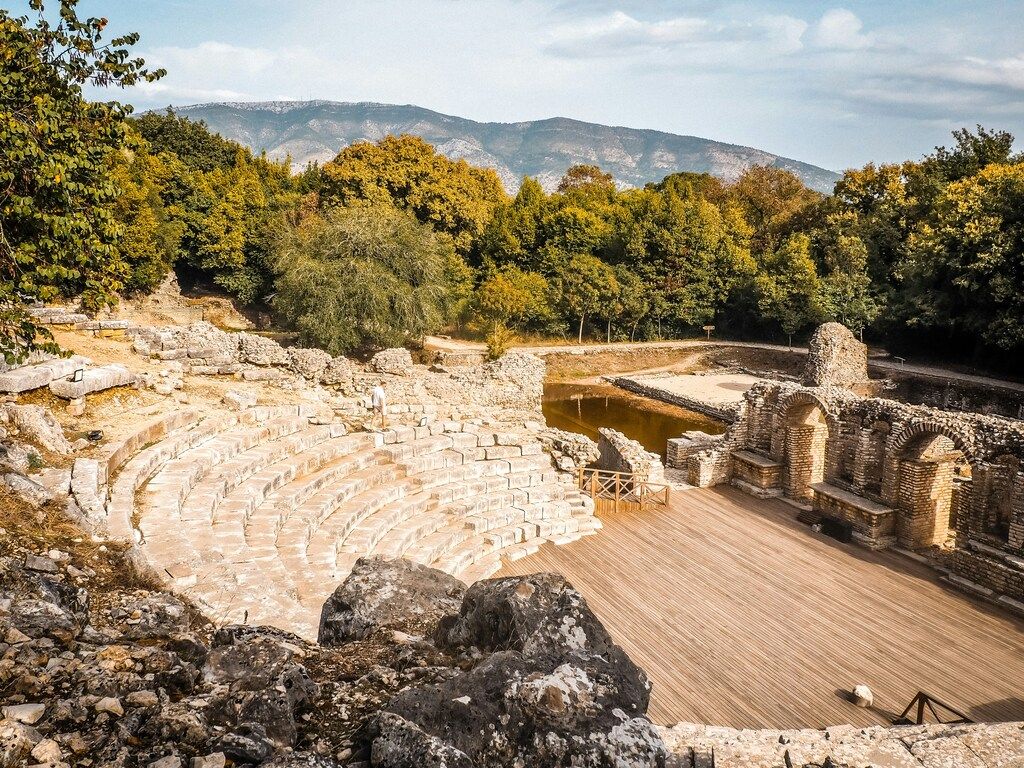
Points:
[[259, 515]]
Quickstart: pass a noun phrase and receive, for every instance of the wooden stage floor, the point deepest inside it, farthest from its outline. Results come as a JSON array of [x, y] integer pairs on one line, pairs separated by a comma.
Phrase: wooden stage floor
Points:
[[744, 617]]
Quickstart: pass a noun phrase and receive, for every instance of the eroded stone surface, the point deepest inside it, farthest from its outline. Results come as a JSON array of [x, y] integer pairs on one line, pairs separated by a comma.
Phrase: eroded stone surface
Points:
[[384, 594], [397, 362], [835, 358]]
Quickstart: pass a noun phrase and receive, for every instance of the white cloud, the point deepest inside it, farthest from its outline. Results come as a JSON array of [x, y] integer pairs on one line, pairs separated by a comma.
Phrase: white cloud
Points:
[[841, 29], [215, 56], [619, 34], [972, 70]]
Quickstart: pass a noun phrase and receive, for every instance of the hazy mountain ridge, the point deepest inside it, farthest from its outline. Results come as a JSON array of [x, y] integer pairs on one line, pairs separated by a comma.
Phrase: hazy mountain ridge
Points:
[[318, 130]]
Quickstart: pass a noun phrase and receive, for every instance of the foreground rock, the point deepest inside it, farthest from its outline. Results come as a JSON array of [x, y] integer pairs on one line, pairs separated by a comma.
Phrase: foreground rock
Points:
[[549, 688], [395, 595]]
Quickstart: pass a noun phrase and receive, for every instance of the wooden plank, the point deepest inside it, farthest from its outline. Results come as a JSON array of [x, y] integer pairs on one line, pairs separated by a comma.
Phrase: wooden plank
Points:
[[744, 617]]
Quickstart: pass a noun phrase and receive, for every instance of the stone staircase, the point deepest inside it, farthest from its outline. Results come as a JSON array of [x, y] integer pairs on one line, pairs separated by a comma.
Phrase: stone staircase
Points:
[[259, 515]]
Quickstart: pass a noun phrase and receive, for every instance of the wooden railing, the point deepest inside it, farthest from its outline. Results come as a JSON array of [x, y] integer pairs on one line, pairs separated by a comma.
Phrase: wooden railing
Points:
[[923, 703], [622, 490]]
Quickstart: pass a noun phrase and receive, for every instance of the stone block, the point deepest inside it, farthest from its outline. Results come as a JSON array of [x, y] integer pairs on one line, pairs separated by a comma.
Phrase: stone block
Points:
[[31, 377], [93, 380], [239, 401]]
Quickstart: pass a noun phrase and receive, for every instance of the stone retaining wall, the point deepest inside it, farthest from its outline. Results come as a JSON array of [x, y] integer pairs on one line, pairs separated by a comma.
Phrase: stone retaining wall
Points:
[[641, 387], [620, 454], [979, 745]]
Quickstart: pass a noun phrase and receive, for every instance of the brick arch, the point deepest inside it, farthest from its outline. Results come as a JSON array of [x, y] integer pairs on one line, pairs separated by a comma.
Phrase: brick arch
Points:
[[925, 515], [804, 465], [961, 438], [805, 397]]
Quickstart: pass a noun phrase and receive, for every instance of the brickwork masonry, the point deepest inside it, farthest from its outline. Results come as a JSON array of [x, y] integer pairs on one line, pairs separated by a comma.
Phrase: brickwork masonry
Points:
[[948, 483]]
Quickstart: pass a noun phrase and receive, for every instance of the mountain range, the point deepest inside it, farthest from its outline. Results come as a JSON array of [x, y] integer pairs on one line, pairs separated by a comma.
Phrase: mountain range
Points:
[[306, 131]]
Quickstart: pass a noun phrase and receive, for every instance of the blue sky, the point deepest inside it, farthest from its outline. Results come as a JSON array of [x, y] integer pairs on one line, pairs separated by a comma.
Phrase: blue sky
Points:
[[833, 84]]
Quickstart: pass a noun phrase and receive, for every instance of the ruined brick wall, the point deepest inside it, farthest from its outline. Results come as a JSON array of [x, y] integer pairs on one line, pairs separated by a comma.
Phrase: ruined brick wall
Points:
[[620, 454], [950, 479]]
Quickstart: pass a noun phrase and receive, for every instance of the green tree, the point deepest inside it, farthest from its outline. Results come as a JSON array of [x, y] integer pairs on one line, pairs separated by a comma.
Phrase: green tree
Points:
[[633, 302], [510, 297], [451, 196], [846, 292], [366, 277], [771, 199], [966, 274], [151, 235], [194, 144], [588, 179], [586, 287], [787, 285], [512, 235], [58, 236], [974, 151]]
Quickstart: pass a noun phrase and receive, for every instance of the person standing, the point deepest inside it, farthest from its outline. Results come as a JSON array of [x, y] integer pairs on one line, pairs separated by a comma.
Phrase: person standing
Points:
[[379, 400]]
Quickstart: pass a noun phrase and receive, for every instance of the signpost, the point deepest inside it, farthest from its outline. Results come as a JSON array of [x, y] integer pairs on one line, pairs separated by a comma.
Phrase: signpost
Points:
[[709, 329]]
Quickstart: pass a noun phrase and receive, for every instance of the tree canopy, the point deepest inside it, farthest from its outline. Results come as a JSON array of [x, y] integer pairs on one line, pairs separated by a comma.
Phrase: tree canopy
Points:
[[392, 239], [58, 228], [366, 277]]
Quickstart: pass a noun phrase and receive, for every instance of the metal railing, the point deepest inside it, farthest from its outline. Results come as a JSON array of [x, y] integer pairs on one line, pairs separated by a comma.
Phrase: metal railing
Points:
[[924, 703], [623, 490]]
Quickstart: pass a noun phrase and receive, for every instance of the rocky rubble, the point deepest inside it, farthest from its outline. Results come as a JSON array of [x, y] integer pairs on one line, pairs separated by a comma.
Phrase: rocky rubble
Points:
[[570, 450], [97, 668], [201, 348]]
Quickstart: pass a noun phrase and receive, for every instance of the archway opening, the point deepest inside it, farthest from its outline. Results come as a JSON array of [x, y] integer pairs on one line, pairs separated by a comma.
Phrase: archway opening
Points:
[[1000, 497], [806, 440], [934, 483]]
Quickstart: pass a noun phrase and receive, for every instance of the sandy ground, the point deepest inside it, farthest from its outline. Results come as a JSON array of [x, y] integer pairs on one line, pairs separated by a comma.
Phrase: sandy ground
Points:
[[713, 389]]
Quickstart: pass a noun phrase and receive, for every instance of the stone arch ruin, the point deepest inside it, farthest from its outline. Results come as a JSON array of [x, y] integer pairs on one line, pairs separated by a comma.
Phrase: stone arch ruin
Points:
[[891, 474]]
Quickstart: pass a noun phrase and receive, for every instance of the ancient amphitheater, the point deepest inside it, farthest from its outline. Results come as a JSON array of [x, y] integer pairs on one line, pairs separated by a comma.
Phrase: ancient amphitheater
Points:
[[246, 477]]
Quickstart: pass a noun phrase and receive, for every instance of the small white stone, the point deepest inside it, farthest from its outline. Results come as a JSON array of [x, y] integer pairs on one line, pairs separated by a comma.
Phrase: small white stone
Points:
[[216, 760], [862, 696], [110, 704], [47, 751], [29, 714]]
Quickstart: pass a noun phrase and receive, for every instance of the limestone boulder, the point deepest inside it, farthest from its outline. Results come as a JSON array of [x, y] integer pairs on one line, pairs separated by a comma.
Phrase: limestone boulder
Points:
[[537, 615], [155, 616], [835, 358], [552, 688], [259, 350], [392, 595], [37, 425], [261, 684], [396, 362], [337, 373], [309, 363]]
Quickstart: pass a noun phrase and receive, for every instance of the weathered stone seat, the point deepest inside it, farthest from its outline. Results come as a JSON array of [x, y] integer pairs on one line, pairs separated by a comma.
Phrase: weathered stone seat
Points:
[[873, 524], [93, 380], [259, 514], [757, 474]]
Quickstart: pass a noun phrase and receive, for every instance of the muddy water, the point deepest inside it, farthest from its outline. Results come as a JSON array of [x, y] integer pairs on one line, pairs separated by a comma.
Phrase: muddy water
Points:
[[585, 407]]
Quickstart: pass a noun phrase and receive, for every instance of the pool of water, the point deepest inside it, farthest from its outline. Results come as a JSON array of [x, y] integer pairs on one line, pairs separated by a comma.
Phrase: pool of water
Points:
[[583, 408]]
